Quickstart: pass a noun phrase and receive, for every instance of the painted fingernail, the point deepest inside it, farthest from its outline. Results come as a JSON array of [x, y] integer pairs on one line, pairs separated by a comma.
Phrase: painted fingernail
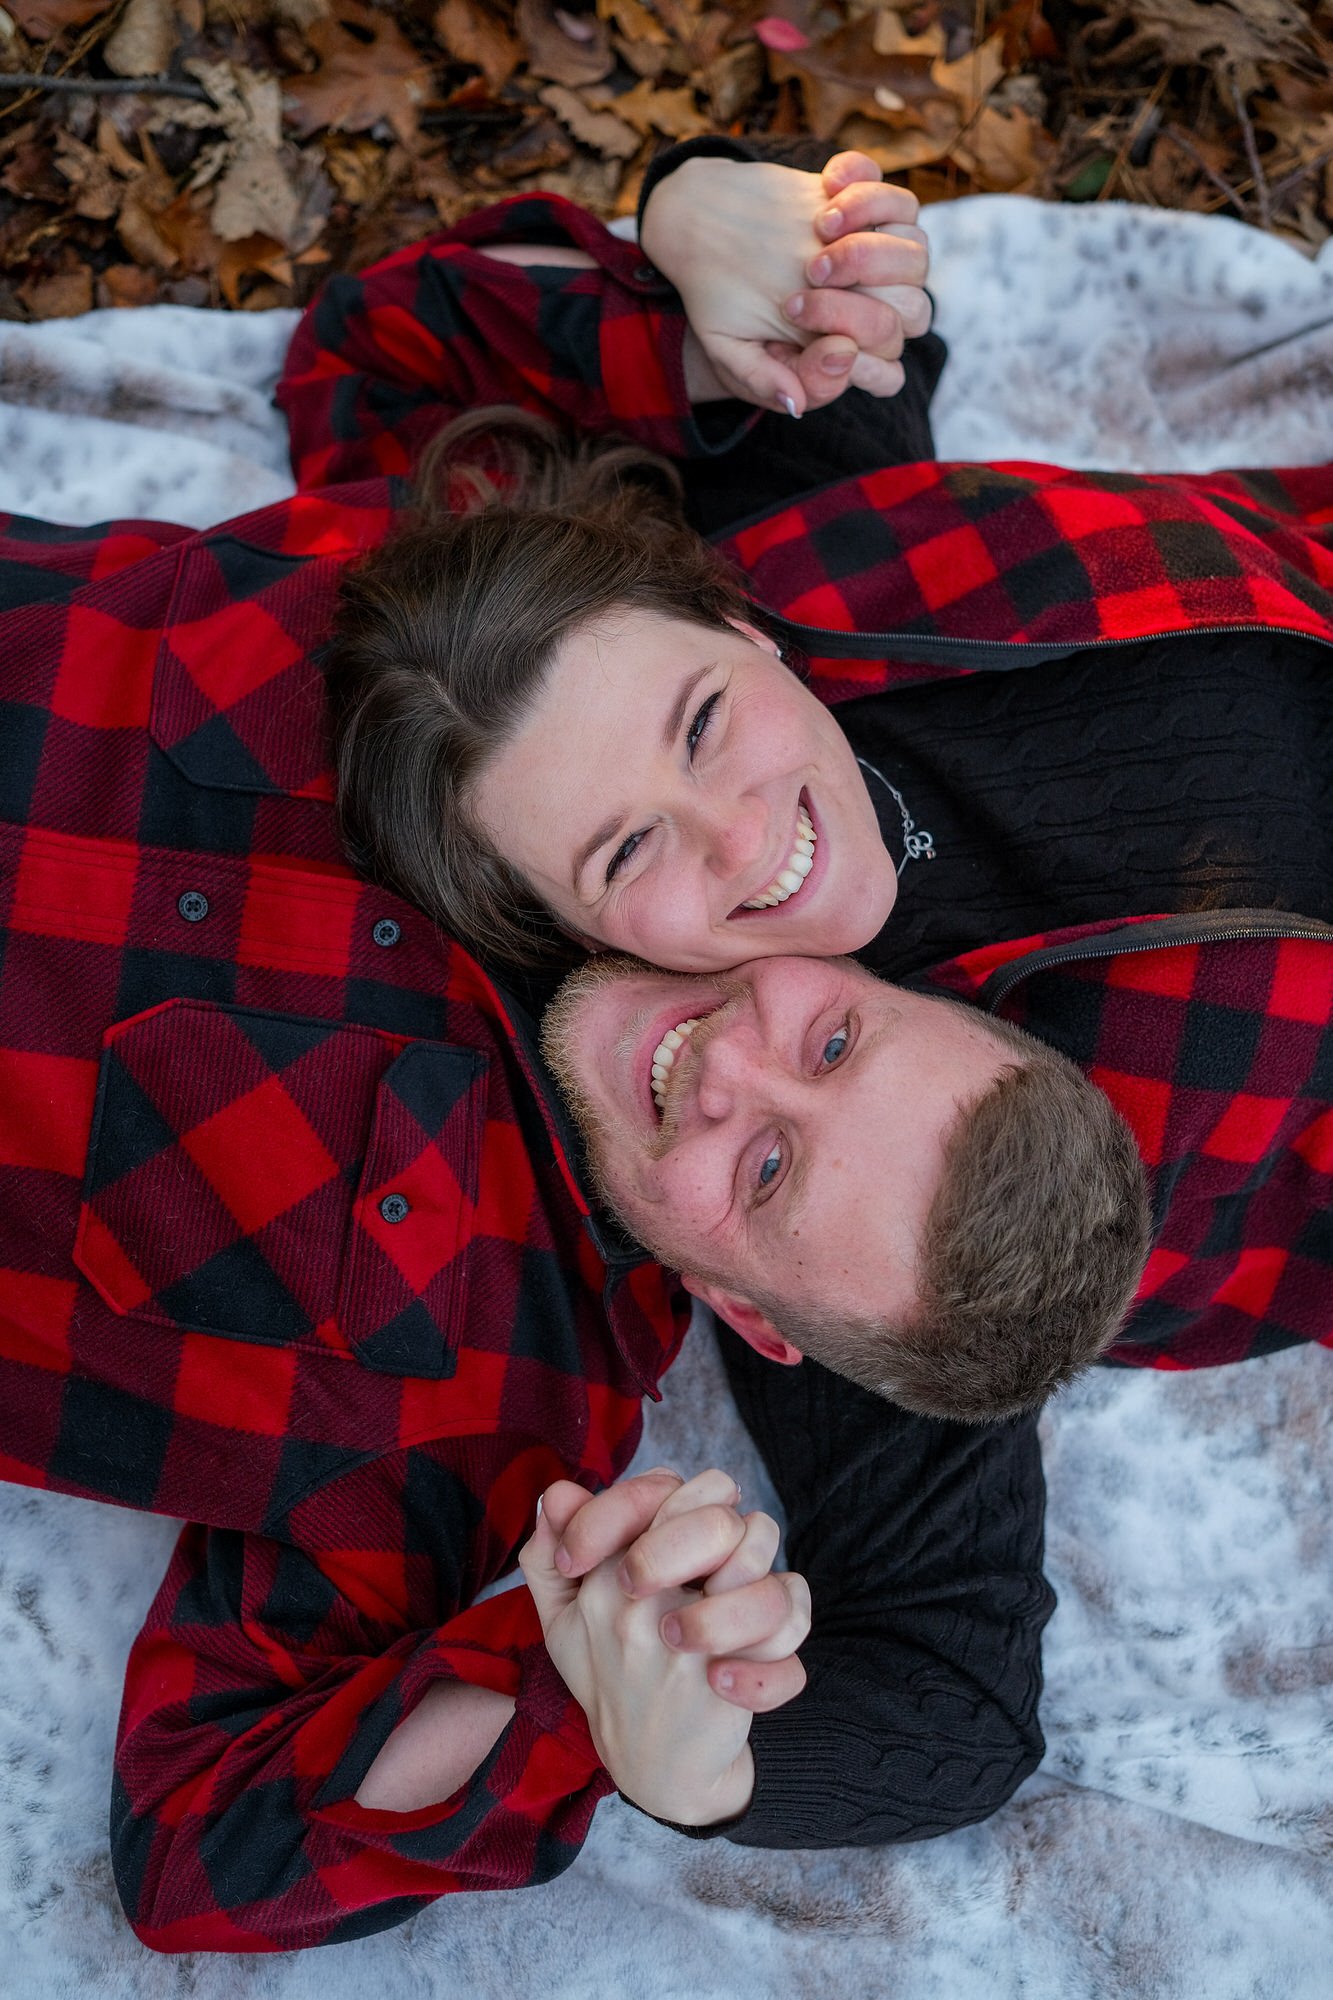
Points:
[[539, 1506], [564, 1561], [819, 270], [789, 405], [726, 1681], [670, 1630], [795, 305]]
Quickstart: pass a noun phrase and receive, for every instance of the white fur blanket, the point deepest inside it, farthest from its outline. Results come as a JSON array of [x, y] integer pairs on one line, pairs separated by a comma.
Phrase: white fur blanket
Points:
[[1178, 1841]]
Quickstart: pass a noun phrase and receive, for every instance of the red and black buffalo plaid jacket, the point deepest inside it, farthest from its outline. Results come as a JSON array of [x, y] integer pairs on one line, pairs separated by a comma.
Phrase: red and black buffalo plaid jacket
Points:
[[289, 1244]]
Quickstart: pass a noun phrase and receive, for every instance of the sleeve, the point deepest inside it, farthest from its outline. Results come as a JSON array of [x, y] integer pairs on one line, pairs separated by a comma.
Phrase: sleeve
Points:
[[922, 1544], [269, 1675], [41, 562], [383, 359]]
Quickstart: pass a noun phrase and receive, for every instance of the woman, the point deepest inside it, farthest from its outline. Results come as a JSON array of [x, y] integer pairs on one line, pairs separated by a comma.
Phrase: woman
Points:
[[561, 723]]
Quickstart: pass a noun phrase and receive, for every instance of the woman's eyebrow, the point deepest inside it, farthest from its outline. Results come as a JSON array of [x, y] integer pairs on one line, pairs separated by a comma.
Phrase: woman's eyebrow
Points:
[[608, 830], [676, 717]]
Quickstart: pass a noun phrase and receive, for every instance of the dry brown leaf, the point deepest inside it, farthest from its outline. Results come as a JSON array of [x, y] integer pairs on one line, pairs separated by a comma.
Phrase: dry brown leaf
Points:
[[1004, 154], [601, 130], [253, 256], [538, 148], [673, 112], [31, 172], [144, 40], [96, 195], [893, 39], [911, 146], [43, 19], [435, 181], [733, 80], [474, 35], [61, 297], [556, 54], [973, 77], [126, 285], [1219, 34], [634, 21], [843, 74], [368, 71]]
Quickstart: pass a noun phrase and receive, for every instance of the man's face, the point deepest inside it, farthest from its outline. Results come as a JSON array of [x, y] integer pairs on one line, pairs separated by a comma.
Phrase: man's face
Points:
[[799, 1142]]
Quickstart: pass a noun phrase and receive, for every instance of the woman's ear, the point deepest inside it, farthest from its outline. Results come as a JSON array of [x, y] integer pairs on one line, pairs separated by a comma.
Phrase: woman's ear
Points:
[[745, 1319], [756, 637]]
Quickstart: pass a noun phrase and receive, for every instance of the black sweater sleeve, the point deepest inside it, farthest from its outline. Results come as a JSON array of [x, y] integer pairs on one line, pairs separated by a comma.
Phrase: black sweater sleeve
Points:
[[922, 1545]]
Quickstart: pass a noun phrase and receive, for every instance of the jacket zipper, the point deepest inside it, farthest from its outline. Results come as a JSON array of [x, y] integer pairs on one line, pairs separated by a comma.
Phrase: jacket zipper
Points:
[[1001, 983], [922, 647]]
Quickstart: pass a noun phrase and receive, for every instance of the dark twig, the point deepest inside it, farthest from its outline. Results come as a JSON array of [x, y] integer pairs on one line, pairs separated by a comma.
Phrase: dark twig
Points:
[[106, 86], [1131, 137], [1187, 145], [1252, 155]]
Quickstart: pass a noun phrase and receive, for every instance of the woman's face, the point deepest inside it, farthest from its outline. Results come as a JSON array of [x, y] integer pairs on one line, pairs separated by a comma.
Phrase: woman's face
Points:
[[677, 793]]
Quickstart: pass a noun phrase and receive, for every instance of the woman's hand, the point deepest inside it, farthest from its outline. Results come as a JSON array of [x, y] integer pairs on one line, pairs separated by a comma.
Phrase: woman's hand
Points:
[[661, 1591], [795, 285]]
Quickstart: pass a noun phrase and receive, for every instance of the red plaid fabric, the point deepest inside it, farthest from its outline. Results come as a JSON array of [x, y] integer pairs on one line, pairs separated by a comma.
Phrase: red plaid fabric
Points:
[[1213, 1037], [289, 1241]]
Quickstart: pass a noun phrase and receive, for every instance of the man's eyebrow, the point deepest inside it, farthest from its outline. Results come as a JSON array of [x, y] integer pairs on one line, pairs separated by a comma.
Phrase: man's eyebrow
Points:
[[678, 707]]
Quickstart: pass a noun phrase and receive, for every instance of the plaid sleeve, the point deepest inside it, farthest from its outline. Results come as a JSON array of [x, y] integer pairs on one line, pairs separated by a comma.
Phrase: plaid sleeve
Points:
[[382, 359], [40, 560], [267, 1679]]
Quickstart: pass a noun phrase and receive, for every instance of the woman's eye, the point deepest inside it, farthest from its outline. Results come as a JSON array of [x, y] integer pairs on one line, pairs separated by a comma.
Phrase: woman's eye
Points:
[[835, 1048], [770, 1168], [624, 853], [699, 726]]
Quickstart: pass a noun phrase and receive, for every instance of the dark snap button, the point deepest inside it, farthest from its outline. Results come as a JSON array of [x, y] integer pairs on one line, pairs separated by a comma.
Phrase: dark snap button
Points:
[[387, 932], [395, 1207], [193, 907]]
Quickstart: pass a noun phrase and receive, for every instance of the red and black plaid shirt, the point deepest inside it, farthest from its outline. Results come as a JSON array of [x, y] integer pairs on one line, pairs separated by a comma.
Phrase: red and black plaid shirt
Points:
[[288, 1242]]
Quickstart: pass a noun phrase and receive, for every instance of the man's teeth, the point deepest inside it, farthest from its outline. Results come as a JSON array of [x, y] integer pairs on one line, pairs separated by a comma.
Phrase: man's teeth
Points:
[[665, 1054], [790, 878]]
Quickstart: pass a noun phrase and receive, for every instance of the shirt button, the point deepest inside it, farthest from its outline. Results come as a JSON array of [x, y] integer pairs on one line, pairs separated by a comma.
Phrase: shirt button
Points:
[[193, 906], [387, 932], [395, 1207]]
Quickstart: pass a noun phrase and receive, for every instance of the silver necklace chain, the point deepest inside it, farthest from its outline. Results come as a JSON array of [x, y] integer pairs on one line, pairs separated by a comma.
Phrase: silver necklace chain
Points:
[[918, 845]]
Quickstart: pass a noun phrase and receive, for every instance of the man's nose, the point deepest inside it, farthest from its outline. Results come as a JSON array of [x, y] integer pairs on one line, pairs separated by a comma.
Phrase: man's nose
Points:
[[736, 1073]]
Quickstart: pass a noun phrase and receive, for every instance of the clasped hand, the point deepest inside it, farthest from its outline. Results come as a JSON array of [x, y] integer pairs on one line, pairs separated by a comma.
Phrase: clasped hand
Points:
[[666, 1621], [794, 284]]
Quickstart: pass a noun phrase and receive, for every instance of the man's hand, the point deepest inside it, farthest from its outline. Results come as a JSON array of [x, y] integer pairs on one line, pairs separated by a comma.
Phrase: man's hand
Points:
[[794, 284], [638, 1646]]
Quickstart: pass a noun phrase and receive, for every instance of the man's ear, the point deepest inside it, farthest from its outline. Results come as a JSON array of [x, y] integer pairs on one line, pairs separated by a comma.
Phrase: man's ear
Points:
[[746, 1320], [756, 637]]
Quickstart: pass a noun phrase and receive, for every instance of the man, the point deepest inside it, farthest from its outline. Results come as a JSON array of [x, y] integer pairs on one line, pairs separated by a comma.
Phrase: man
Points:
[[293, 1246]]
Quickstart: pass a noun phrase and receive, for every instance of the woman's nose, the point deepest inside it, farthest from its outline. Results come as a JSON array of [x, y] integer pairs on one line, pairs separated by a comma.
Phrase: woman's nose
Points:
[[734, 835]]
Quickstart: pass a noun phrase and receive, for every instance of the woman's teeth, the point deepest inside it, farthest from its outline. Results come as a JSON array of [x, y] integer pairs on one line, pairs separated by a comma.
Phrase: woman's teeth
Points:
[[665, 1054], [790, 878]]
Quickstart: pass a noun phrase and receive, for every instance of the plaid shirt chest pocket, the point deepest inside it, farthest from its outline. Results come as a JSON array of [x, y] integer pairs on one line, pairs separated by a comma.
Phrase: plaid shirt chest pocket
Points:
[[284, 1180]]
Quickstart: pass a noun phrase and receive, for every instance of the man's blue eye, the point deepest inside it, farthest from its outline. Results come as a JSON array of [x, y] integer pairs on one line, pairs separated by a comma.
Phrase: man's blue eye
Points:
[[695, 734], [835, 1046], [770, 1167]]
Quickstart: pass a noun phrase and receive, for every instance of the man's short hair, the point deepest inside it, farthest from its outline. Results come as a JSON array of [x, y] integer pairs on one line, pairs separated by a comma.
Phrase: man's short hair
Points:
[[1031, 1255]]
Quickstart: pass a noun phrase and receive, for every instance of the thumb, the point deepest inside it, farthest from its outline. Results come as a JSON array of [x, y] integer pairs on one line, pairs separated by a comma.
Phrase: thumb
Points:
[[551, 1592], [754, 372]]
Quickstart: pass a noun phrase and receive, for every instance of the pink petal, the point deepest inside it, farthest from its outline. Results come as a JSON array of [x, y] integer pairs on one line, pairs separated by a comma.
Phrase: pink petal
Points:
[[785, 36]]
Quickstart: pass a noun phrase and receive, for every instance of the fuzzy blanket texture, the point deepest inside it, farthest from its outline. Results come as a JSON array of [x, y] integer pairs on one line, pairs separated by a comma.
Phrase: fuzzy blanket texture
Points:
[[1178, 1841]]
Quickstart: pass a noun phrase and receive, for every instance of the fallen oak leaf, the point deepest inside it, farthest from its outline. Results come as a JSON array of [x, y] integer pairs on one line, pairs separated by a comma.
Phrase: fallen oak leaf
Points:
[[602, 130], [672, 112], [1004, 152], [64, 296], [843, 73], [556, 54], [96, 195], [252, 256], [472, 34], [634, 21], [367, 71]]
